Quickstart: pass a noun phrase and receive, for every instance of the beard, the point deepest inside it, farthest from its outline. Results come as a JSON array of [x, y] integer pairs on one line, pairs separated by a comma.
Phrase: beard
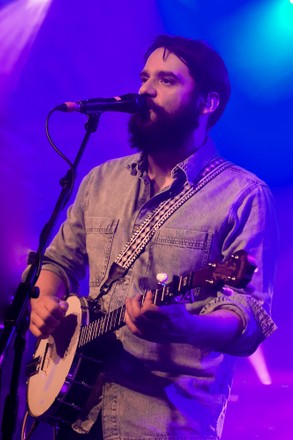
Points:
[[167, 132]]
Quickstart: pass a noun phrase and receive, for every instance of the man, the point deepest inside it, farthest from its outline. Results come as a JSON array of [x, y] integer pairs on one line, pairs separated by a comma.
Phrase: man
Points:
[[171, 366]]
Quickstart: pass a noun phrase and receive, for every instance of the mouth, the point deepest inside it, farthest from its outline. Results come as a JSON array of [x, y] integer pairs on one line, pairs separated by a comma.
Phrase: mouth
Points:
[[153, 109], [149, 113], [152, 106]]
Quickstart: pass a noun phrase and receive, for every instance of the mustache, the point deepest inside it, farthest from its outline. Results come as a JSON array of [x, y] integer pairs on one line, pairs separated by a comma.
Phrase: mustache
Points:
[[151, 105]]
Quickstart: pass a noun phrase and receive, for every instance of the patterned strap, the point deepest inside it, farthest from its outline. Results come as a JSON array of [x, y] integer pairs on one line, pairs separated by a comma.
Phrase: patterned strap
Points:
[[156, 219]]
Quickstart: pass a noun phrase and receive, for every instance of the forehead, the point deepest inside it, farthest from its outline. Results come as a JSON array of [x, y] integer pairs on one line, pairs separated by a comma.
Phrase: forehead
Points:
[[163, 60]]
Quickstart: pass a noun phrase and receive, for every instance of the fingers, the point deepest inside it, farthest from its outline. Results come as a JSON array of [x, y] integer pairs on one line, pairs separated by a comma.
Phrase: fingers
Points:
[[134, 316], [140, 318], [46, 314], [148, 300], [133, 311], [164, 324]]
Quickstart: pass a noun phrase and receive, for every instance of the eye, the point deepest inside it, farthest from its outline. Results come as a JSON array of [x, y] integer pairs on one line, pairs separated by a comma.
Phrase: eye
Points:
[[167, 81]]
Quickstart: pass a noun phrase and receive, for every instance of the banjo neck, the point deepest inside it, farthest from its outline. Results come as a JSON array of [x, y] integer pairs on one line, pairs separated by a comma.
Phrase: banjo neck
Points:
[[235, 272]]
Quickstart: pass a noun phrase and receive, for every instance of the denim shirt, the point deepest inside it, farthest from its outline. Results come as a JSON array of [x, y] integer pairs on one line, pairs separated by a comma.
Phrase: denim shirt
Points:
[[171, 391]]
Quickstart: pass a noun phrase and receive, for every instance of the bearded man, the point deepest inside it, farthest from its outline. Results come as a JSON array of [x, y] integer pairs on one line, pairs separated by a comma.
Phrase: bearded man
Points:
[[167, 373]]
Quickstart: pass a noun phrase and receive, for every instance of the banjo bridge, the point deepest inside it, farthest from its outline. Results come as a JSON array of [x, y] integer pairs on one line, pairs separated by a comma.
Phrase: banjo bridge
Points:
[[39, 362], [33, 367]]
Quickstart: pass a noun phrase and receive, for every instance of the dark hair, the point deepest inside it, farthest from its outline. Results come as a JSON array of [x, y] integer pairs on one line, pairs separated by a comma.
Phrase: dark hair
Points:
[[205, 65]]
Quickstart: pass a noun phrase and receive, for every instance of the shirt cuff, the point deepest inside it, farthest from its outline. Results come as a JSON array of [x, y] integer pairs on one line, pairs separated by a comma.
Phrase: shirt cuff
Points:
[[256, 322]]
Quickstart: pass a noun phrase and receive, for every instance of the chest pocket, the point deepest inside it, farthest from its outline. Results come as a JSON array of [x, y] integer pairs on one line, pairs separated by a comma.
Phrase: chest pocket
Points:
[[99, 238], [175, 251]]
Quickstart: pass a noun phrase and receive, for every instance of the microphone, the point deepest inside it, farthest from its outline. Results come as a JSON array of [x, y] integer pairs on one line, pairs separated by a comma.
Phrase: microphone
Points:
[[129, 103]]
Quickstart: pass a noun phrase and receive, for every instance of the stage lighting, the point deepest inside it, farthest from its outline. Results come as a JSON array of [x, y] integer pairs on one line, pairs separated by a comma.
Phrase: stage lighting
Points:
[[261, 47], [20, 23]]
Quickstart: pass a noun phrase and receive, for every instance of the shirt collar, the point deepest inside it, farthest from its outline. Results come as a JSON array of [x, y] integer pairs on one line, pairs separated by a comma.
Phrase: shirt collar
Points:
[[137, 164], [197, 161], [191, 166]]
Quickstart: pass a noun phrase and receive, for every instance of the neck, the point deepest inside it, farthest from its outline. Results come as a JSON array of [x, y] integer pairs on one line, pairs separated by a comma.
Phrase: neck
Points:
[[161, 162]]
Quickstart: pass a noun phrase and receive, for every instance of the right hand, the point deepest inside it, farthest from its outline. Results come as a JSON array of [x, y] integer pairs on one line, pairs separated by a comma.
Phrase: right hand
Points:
[[46, 313]]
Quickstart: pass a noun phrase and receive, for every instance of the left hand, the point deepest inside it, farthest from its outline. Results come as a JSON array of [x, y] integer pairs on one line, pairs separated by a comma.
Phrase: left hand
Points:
[[164, 324]]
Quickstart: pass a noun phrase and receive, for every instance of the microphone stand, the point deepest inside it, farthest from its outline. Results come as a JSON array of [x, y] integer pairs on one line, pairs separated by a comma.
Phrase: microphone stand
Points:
[[16, 320]]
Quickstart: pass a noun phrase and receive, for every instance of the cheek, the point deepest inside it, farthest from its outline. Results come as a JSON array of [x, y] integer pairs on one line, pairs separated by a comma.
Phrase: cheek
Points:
[[174, 105], [172, 102]]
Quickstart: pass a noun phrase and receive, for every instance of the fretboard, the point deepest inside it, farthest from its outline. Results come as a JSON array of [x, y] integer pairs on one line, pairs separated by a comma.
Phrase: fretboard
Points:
[[104, 324]]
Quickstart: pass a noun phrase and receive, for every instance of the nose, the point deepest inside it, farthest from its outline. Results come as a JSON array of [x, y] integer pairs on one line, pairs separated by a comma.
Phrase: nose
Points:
[[148, 88]]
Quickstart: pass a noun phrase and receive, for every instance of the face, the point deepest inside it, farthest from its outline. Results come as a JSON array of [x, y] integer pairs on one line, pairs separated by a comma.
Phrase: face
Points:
[[172, 99], [166, 81]]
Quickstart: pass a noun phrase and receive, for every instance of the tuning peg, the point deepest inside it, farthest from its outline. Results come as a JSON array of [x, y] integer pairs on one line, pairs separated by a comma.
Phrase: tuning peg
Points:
[[210, 281], [227, 291], [162, 278]]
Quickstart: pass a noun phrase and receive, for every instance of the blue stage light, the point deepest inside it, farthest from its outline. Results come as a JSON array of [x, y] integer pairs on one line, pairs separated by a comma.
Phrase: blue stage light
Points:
[[260, 50]]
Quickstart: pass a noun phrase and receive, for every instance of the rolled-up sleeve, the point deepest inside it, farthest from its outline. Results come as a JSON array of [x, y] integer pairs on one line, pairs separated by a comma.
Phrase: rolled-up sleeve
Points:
[[257, 324], [252, 226]]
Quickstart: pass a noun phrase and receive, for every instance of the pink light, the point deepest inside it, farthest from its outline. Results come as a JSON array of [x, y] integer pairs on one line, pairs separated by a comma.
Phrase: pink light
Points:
[[20, 22], [258, 362]]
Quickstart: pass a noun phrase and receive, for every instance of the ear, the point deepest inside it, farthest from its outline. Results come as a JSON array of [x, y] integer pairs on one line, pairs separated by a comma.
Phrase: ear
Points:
[[210, 104]]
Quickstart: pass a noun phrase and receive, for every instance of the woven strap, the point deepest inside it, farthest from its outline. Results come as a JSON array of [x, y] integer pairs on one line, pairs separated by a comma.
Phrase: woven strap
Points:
[[156, 219]]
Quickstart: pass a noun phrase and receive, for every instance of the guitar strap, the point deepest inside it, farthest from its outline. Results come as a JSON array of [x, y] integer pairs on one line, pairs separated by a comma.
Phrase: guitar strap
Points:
[[155, 219]]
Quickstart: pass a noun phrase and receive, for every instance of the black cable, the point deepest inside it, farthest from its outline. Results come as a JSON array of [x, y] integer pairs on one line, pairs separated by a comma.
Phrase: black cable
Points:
[[68, 161]]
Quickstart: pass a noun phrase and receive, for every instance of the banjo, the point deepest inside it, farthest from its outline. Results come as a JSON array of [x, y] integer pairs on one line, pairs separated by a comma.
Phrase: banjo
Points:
[[66, 365]]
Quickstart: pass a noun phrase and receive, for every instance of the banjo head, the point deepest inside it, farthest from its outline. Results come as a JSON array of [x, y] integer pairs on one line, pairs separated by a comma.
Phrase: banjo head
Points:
[[53, 360]]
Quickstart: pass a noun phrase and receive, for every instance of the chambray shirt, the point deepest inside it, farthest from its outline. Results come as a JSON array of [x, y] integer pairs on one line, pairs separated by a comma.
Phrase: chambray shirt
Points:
[[171, 391]]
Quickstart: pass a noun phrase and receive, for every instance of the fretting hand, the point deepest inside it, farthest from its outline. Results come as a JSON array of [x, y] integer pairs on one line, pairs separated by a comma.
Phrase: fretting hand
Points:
[[169, 323]]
